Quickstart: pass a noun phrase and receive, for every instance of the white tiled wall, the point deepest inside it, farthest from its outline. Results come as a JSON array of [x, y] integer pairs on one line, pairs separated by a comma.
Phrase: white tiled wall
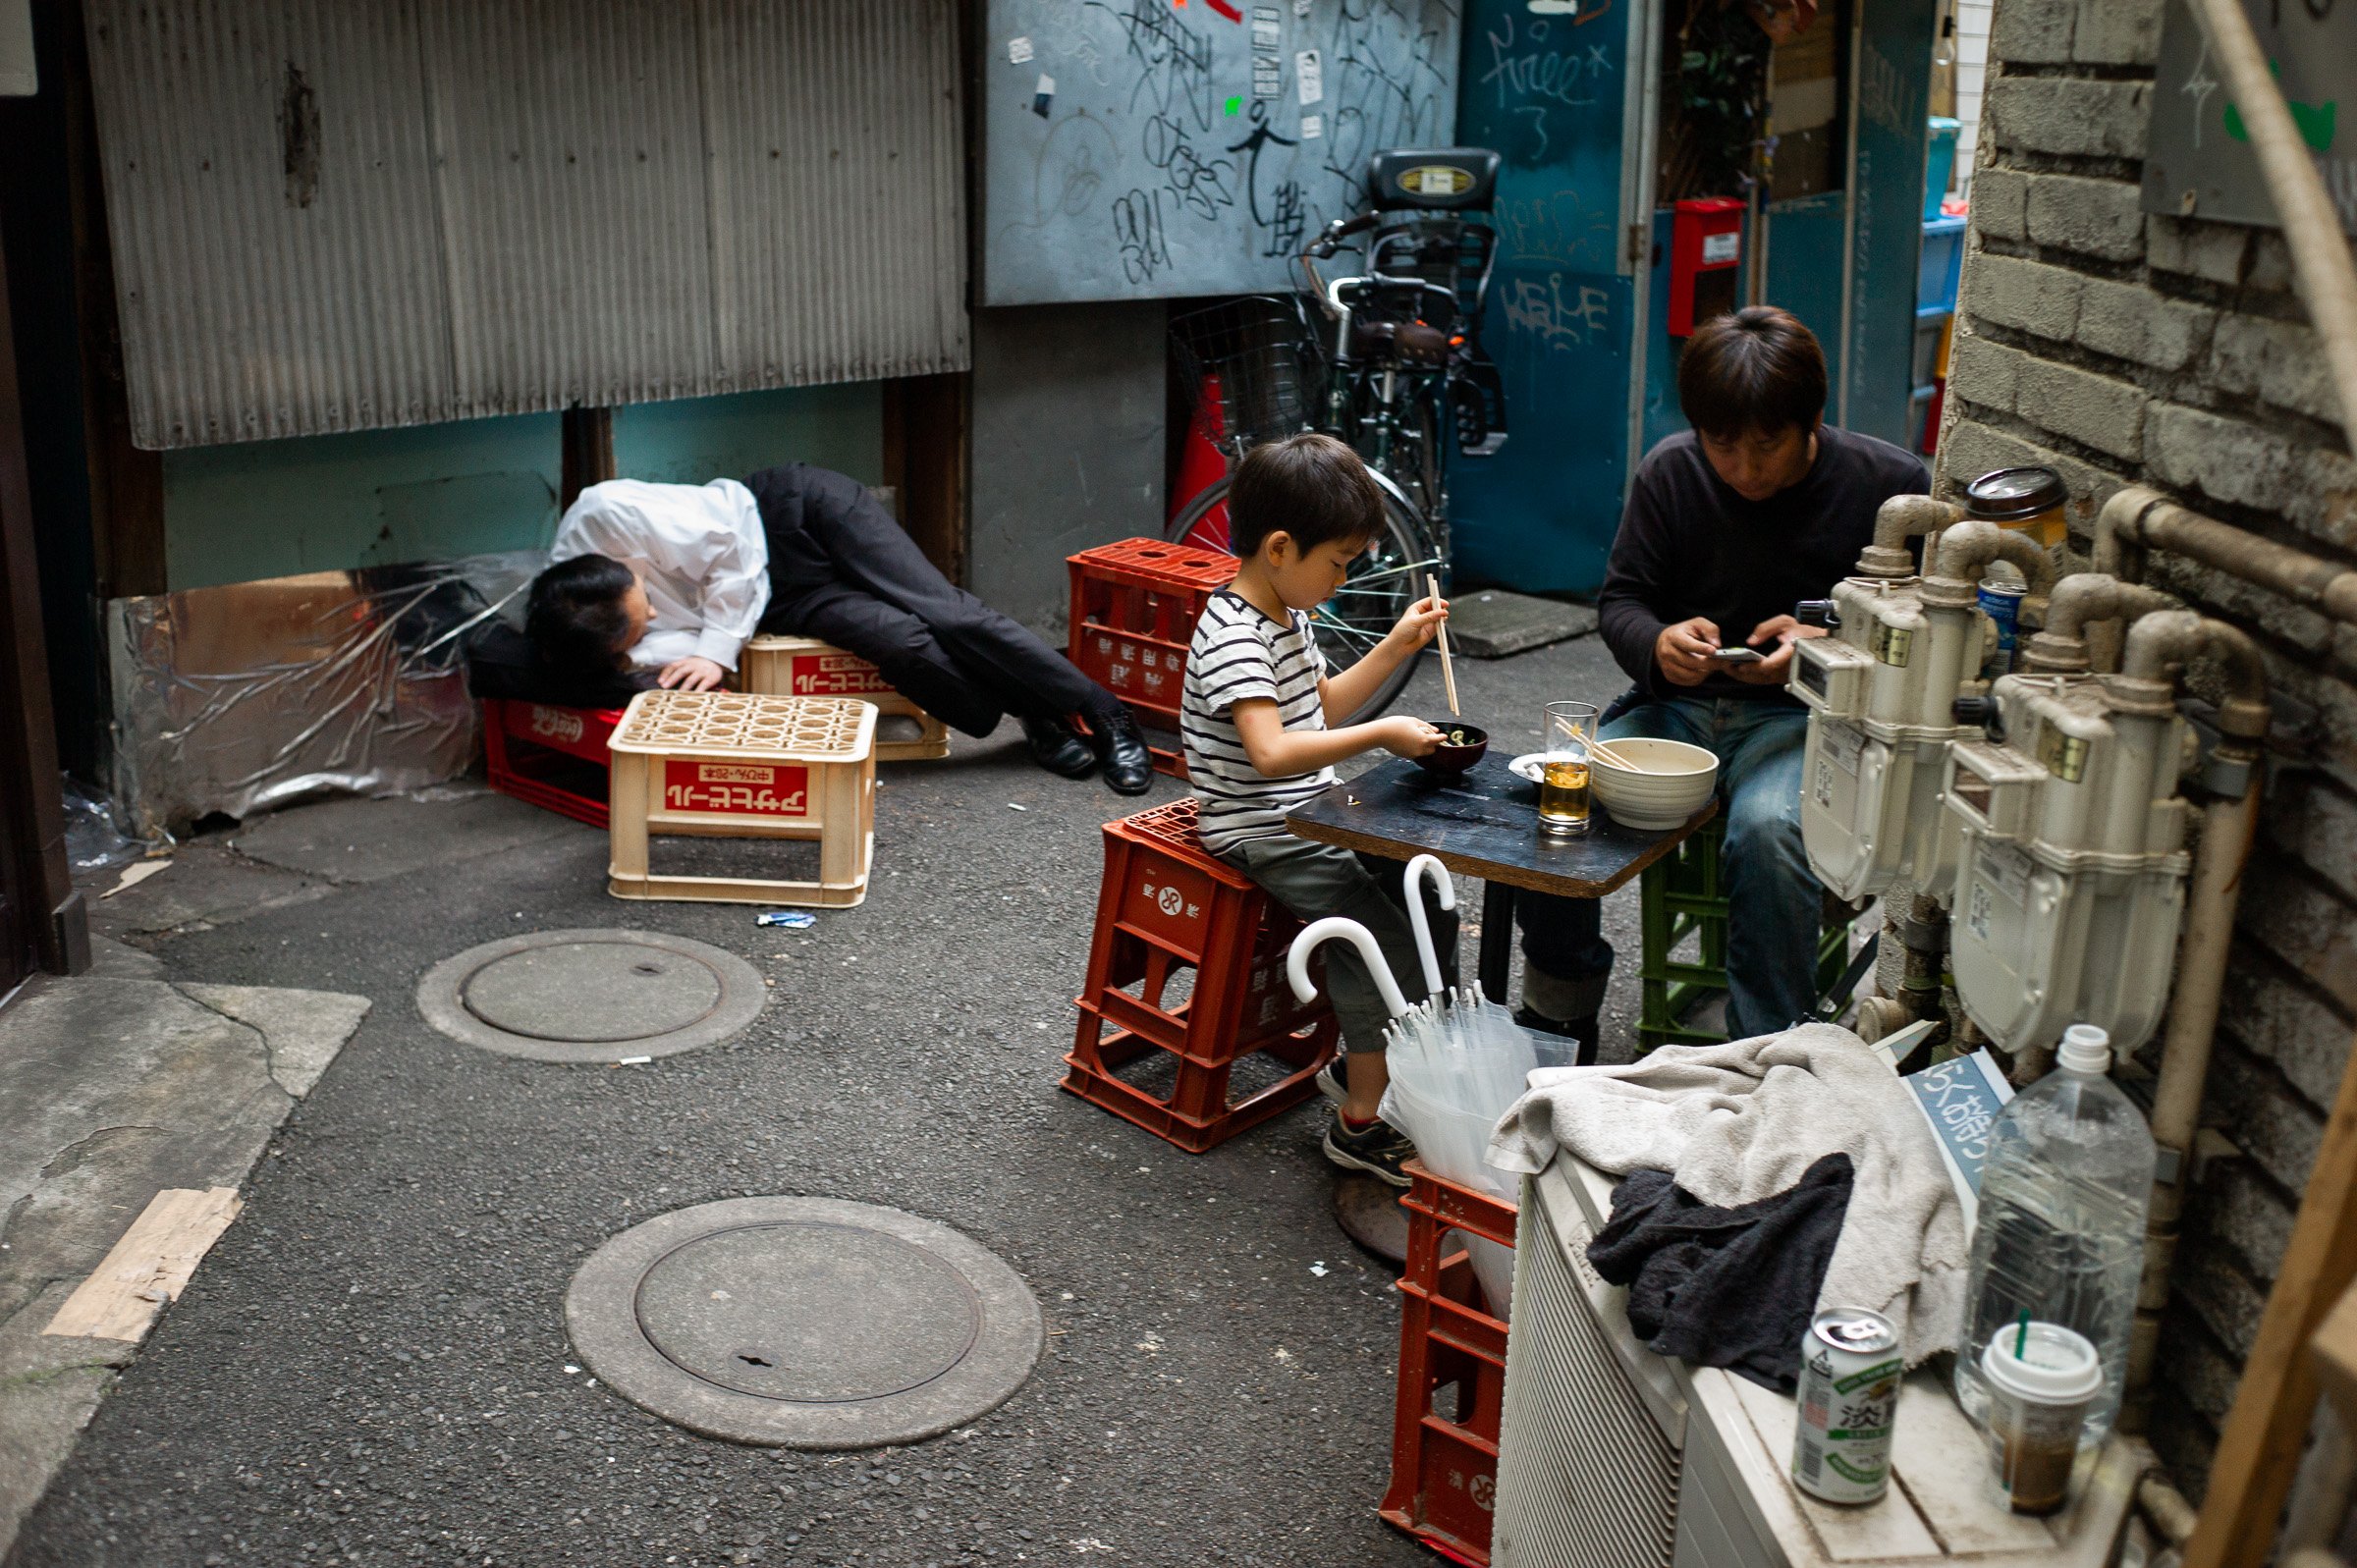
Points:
[[1972, 70]]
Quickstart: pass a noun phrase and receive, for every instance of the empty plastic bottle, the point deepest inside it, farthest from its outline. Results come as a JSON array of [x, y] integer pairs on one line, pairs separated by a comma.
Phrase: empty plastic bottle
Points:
[[2060, 1233]]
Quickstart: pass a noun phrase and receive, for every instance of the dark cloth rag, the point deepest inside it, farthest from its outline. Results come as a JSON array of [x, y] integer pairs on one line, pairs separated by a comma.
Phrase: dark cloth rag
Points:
[[1725, 1288]]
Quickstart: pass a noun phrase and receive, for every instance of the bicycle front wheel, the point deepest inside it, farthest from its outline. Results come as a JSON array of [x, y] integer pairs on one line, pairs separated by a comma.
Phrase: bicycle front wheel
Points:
[[1383, 582]]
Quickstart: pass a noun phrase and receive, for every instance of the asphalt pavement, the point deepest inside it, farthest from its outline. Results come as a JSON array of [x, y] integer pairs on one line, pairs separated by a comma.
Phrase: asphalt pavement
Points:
[[371, 1366]]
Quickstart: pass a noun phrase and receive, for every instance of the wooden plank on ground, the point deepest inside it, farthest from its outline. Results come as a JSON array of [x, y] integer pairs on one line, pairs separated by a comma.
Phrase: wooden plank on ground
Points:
[[149, 1266]]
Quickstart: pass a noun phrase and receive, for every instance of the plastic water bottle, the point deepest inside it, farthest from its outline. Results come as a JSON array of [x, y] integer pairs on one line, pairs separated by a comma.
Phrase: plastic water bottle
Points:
[[2060, 1233]]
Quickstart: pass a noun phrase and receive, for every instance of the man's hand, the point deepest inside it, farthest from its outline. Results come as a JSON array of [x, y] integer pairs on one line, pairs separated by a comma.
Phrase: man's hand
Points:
[[1403, 736], [690, 674], [1418, 623], [1782, 632], [1683, 651]]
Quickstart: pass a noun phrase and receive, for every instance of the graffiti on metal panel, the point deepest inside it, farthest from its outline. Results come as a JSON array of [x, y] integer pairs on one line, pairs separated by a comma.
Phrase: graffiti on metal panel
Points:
[[1555, 313]]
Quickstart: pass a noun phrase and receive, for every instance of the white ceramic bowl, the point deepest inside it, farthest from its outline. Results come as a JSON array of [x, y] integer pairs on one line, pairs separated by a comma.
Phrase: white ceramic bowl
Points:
[[1675, 780]]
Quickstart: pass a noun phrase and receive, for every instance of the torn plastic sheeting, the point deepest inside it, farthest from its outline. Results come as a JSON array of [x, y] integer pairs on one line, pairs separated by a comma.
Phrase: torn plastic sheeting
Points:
[[243, 697]]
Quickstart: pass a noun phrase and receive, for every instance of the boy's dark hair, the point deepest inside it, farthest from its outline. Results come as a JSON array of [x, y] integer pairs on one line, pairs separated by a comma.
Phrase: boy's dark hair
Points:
[[575, 616], [1758, 370], [1311, 487]]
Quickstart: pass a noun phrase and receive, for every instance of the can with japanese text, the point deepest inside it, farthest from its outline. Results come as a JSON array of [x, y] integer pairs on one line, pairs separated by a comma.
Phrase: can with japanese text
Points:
[[1849, 1370], [2001, 602]]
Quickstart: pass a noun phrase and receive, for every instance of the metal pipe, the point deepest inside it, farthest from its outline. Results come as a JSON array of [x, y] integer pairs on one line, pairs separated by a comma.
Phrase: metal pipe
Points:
[[2079, 600], [1895, 521], [2160, 646], [1965, 551], [2138, 516], [2319, 257]]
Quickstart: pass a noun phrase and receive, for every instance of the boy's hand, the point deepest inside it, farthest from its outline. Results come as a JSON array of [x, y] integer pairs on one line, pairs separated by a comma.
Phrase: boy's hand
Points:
[[1403, 736], [1419, 622], [1683, 651], [690, 674]]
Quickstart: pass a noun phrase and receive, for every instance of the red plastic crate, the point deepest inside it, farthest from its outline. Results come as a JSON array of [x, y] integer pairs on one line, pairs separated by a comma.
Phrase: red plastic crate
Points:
[[1444, 1444], [1165, 906], [551, 756], [1147, 588], [1136, 667]]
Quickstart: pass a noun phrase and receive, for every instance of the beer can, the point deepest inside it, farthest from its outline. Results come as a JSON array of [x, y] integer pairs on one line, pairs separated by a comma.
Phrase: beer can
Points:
[[2001, 602], [1849, 1370]]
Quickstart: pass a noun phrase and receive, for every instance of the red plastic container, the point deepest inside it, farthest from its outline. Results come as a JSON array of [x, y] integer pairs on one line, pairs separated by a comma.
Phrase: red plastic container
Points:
[[1167, 906], [1451, 1375], [551, 756], [1145, 586]]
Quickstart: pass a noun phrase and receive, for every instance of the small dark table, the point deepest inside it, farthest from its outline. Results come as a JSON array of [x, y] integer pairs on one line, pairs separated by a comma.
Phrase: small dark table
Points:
[[1485, 825]]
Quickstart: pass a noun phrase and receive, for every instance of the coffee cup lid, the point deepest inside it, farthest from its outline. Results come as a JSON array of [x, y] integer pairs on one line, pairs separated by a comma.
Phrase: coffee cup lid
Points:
[[2056, 1366]]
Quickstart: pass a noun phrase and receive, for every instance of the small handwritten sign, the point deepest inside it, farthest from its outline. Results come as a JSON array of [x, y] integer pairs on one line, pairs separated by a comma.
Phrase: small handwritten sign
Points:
[[1960, 1100]]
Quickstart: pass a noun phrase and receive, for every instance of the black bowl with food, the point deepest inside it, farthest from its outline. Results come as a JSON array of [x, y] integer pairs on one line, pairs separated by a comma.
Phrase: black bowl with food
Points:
[[1461, 745]]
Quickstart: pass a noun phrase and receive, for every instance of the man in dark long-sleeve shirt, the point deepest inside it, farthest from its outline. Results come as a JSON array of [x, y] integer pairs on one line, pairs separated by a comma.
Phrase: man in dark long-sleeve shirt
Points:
[[1728, 526]]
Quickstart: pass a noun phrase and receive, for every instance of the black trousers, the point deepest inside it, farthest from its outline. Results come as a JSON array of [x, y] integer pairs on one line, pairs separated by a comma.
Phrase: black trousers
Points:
[[843, 570]]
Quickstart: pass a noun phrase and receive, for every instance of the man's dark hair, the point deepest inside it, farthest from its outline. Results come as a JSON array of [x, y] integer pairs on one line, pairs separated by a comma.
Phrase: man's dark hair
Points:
[[1311, 487], [1756, 372], [575, 616]]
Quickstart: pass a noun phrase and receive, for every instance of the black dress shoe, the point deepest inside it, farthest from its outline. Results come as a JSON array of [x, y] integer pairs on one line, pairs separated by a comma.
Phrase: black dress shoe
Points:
[[1129, 765], [1055, 747]]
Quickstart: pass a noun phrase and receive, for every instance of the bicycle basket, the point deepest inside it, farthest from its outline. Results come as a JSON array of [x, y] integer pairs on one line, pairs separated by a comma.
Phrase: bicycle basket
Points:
[[1253, 368]]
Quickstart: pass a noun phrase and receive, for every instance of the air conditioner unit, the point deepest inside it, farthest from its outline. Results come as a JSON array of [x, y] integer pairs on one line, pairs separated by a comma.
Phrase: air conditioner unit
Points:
[[1610, 1456]]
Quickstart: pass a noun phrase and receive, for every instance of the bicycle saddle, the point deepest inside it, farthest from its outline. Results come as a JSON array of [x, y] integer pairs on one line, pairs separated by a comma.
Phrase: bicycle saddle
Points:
[[1412, 341]]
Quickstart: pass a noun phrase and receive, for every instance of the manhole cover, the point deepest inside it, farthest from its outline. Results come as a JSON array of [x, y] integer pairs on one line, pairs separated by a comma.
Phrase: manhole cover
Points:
[[808, 1322], [590, 995]]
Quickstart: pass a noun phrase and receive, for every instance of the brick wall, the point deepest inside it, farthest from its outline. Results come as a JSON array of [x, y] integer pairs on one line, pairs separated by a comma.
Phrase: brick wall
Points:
[[2117, 347]]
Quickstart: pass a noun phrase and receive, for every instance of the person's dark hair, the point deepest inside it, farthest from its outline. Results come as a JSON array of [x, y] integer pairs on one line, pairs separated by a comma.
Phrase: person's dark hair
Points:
[[1311, 487], [573, 615], [1756, 372]]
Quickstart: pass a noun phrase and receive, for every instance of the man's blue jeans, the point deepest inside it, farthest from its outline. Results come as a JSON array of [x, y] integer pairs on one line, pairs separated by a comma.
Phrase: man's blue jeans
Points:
[[1774, 899]]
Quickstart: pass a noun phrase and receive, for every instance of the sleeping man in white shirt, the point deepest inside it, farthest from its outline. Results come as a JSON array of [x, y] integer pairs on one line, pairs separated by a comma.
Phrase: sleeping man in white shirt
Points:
[[674, 578]]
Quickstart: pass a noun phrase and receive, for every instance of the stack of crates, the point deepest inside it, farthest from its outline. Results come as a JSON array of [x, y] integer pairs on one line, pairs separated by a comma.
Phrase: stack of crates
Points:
[[1451, 1372], [1134, 608], [1168, 907]]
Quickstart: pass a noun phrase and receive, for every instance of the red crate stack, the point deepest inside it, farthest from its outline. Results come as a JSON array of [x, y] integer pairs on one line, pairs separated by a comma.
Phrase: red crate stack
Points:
[[551, 756], [1167, 906], [1133, 613], [1445, 1450]]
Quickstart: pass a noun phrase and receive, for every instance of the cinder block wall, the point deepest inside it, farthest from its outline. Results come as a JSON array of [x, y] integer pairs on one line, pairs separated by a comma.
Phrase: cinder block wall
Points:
[[2120, 348]]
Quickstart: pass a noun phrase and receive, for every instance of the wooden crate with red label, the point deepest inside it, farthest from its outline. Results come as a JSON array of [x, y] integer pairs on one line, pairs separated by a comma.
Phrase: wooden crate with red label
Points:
[[742, 765], [804, 667]]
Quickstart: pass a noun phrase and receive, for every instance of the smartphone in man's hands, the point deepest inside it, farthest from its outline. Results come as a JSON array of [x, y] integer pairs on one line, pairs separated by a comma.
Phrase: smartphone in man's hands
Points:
[[1738, 656]]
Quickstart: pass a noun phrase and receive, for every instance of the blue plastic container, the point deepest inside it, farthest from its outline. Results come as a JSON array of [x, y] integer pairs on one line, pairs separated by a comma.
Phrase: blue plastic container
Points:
[[1943, 262], [1940, 163]]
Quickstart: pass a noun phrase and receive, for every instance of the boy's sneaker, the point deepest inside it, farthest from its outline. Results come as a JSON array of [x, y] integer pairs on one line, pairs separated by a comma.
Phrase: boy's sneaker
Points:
[[1378, 1149], [1334, 1082]]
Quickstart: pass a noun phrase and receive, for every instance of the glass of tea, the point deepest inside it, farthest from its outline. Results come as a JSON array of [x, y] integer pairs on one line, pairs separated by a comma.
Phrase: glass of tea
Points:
[[1564, 797]]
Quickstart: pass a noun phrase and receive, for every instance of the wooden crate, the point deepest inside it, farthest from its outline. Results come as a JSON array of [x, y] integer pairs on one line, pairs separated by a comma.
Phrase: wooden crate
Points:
[[804, 667], [730, 765]]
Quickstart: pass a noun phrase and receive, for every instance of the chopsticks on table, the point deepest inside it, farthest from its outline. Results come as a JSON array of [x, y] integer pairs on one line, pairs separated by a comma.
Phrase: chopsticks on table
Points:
[[1447, 670], [1599, 748]]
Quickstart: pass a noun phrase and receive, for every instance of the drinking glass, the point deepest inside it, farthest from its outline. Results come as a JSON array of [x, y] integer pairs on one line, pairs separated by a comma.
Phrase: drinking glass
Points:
[[1564, 800]]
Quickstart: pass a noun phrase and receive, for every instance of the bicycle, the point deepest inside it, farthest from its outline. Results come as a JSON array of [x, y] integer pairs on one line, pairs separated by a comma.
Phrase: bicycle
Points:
[[1393, 358]]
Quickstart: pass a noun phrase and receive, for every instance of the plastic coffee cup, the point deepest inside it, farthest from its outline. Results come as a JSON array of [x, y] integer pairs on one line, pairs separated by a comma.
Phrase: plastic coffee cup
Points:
[[2038, 1403]]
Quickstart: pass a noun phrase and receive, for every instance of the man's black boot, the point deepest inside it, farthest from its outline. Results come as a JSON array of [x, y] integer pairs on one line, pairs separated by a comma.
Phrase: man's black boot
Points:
[[1129, 765], [1585, 1031], [1056, 747]]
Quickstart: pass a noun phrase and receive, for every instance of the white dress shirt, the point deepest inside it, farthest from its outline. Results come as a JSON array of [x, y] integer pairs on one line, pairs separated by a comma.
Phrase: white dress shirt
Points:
[[697, 549]]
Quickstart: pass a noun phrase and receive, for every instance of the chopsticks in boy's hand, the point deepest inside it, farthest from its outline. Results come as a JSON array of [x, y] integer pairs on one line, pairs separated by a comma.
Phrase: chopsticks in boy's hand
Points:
[[1447, 670]]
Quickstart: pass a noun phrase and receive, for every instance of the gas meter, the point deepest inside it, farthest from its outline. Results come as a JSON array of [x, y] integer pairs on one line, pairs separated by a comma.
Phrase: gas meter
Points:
[[2070, 873], [1882, 690]]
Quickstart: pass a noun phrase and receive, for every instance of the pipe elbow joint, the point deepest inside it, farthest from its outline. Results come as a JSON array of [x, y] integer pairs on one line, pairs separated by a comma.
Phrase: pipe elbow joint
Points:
[[1895, 521], [1965, 551], [2160, 647], [2079, 600]]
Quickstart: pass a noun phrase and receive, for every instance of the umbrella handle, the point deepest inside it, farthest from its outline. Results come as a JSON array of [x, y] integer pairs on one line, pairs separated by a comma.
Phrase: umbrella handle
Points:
[[1296, 961], [1418, 869]]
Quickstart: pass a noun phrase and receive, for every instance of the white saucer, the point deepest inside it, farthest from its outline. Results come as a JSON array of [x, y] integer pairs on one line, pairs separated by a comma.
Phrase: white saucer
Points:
[[1526, 766]]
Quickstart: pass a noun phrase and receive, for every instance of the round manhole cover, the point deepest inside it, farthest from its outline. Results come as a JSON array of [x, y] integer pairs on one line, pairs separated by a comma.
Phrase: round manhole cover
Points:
[[805, 1321], [593, 991], [590, 995], [761, 1311]]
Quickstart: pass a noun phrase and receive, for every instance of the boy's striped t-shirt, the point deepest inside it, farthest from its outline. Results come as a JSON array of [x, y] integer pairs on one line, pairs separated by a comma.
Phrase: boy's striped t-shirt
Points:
[[1239, 653]]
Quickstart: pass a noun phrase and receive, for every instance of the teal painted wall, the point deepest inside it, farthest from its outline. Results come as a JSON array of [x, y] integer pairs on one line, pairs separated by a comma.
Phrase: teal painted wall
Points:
[[271, 508]]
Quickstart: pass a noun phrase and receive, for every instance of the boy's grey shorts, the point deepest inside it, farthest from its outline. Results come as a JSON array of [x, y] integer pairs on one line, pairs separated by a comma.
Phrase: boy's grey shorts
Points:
[[1315, 879]]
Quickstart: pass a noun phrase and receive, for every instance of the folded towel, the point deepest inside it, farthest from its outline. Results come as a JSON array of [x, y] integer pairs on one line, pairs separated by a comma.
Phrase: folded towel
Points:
[[1739, 1122]]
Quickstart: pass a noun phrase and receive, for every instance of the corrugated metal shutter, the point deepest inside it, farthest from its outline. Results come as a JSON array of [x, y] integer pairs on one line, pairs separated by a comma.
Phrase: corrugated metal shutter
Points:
[[330, 216]]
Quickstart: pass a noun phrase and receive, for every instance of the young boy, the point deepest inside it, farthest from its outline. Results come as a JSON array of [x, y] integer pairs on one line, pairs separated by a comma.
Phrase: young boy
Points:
[[1257, 746]]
